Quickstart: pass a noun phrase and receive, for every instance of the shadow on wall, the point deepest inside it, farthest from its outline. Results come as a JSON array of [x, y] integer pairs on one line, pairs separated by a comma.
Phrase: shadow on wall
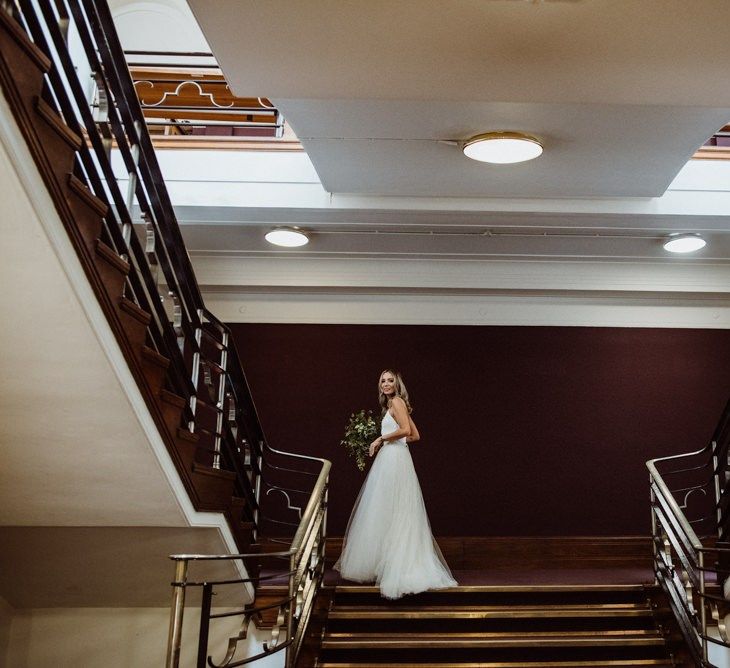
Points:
[[532, 431]]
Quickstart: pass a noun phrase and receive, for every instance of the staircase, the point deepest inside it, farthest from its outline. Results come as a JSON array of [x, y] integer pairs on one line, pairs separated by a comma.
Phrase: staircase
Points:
[[181, 356], [162, 360], [499, 626], [193, 384]]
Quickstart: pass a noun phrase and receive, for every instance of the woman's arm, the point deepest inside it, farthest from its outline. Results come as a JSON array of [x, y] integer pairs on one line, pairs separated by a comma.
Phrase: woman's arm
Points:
[[400, 414], [415, 436]]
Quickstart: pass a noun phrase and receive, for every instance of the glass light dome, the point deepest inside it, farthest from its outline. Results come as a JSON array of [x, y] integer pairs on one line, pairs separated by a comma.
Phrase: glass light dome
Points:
[[502, 148], [287, 236], [684, 243]]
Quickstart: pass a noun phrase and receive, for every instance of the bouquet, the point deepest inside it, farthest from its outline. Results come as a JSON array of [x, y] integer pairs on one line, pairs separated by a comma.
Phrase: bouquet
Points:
[[360, 432]]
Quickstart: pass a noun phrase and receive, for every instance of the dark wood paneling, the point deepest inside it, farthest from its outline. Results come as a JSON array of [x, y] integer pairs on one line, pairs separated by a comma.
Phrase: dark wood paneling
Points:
[[526, 431], [517, 553]]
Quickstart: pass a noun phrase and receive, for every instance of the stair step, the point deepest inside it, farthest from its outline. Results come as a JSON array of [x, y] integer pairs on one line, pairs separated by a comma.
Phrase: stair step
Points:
[[91, 200], [368, 589], [491, 612], [213, 487], [503, 664], [85, 210], [477, 626], [172, 407], [490, 595], [184, 448], [239, 514], [272, 590], [55, 122], [134, 321], [112, 258], [216, 473], [131, 309], [111, 268], [489, 640], [40, 59], [152, 356], [173, 399], [187, 435], [154, 367]]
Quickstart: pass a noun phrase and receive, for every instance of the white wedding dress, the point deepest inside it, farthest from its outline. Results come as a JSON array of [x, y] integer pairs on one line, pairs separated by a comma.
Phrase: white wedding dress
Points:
[[388, 539]]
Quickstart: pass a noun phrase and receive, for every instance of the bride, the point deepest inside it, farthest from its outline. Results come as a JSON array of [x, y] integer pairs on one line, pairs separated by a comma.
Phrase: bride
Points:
[[388, 538]]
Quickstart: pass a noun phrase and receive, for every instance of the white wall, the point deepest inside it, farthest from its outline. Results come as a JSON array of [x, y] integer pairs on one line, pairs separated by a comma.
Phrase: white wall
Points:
[[162, 25]]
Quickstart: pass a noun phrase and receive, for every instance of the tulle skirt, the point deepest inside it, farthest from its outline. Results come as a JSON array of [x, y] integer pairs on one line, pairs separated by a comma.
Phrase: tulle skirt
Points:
[[388, 539]]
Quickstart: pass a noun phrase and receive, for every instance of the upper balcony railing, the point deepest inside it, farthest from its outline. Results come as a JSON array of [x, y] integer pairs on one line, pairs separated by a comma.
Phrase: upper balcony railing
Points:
[[188, 103]]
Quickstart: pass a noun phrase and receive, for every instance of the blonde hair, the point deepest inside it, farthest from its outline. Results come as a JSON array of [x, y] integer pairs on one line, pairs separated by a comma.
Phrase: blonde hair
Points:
[[400, 391]]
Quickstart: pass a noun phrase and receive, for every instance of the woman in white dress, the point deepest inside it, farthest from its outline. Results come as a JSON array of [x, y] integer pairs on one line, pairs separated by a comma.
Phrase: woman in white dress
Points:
[[388, 539]]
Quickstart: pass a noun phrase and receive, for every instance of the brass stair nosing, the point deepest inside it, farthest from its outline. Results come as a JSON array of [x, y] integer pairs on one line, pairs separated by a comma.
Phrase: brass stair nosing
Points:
[[374, 644], [503, 664], [491, 614], [620, 633], [496, 589]]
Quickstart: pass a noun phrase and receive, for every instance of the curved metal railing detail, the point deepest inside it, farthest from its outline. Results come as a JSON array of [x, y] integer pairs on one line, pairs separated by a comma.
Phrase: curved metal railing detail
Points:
[[690, 504], [304, 560]]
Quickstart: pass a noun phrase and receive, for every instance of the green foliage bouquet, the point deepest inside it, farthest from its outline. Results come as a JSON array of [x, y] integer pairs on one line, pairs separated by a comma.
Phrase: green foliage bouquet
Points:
[[360, 432]]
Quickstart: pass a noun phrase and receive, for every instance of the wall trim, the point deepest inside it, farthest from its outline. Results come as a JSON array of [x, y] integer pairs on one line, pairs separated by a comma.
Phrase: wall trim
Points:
[[417, 309], [301, 290]]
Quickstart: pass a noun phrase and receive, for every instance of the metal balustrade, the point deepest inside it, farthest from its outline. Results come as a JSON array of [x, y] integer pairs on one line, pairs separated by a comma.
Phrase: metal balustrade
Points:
[[690, 506], [302, 564], [191, 97]]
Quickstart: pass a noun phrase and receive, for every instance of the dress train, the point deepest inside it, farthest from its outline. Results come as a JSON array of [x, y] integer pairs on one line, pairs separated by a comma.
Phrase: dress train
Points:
[[388, 539]]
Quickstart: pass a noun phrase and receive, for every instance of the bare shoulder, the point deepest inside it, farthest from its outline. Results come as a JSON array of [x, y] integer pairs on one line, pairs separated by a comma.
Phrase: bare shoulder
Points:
[[398, 403]]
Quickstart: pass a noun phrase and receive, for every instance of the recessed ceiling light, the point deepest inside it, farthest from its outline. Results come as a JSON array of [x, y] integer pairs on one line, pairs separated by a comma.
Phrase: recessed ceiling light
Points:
[[684, 243], [287, 236], [502, 147]]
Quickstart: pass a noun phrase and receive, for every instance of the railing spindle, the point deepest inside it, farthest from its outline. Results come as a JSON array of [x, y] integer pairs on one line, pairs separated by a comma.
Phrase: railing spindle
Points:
[[176, 618]]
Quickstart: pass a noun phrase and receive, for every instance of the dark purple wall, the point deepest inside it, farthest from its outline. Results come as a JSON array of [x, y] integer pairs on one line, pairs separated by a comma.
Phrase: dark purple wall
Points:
[[525, 430]]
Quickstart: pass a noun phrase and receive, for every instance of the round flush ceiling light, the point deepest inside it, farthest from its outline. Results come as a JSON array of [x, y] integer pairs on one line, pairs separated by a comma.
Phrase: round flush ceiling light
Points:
[[287, 236], [684, 243], [502, 147]]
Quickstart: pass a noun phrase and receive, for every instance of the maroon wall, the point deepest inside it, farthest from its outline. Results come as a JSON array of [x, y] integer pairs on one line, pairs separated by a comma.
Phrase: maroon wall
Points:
[[525, 430]]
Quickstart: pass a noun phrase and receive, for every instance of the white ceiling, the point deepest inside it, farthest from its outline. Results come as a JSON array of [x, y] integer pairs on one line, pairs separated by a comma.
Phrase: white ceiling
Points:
[[591, 51], [591, 150], [621, 92], [402, 228]]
